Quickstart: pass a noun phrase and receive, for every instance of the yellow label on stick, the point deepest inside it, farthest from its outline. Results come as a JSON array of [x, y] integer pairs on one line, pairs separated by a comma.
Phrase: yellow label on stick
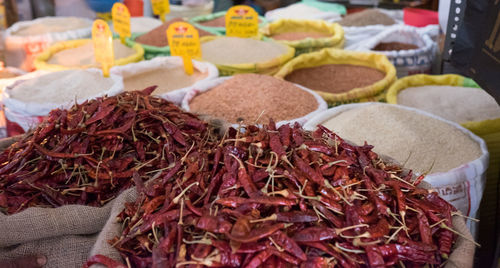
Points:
[[121, 20], [103, 45], [242, 21], [161, 8], [3, 16], [184, 42]]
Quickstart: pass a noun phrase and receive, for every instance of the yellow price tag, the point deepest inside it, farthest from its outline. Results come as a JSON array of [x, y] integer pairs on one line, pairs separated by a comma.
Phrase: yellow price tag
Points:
[[161, 8], [103, 45], [185, 42], [3, 16], [121, 20], [242, 21]]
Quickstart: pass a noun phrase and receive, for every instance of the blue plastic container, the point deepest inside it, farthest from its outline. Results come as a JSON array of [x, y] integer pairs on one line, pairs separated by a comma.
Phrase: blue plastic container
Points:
[[101, 6]]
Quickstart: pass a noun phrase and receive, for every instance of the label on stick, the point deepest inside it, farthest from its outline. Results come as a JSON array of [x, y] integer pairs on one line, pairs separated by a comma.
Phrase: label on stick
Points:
[[184, 41], [161, 8], [103, 45], [121, 20], [242, 21]]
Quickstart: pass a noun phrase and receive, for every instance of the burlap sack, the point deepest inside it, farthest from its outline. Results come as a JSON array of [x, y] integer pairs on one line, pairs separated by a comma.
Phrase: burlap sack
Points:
[[462, 255], [64, 235]]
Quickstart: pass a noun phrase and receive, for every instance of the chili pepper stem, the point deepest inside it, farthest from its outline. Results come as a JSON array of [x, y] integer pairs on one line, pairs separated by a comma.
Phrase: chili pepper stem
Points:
[[341, 230], [355, 251], [176, 199], [458, 213], [273, 217], [394, 235], [444, 226]]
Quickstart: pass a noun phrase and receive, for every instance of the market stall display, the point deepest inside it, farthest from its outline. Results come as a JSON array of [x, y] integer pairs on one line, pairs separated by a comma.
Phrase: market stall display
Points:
[[26, 39], [227, 99], [27, 102], [367, 17], [233, 55], [79, 54], [216, 22], [305, 35], [155, 42], [285, 196], [449, 155], [341, 76], [167, 73]]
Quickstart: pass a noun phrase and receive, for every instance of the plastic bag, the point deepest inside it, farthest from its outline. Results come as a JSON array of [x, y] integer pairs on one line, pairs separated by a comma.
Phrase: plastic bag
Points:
[[334, 30], [337, 56], [21, 50], [176, 95]]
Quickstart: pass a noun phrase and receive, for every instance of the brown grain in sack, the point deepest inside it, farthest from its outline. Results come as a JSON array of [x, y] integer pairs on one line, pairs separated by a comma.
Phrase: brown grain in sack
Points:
[[335, 78], [366, 17], [293, 36], [394, 46], [158, 37]]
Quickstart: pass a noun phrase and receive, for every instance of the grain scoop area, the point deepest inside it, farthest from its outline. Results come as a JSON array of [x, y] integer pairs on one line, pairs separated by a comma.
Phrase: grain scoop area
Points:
[[149, 133]]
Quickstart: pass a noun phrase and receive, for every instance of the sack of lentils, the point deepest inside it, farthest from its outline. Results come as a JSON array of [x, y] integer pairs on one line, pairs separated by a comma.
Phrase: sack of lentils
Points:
[[460, 100], [409, 50], [252, 99], [341, 76], [305, 35], [167, 73], [453, 159], [155, 42], [79, 54], [27, 102], [26, 39], [216, 22], [234, 55]]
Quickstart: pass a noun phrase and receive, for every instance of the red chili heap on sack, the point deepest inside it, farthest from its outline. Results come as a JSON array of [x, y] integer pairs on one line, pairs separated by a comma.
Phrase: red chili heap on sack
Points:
[[280, 198], [92, 152]]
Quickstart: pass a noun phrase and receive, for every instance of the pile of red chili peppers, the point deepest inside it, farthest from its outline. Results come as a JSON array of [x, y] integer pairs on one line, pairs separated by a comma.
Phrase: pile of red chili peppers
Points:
[[93, 151], [283, 197]]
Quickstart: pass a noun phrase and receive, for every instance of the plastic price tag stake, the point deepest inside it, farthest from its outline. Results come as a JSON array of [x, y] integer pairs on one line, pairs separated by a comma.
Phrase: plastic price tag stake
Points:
[[121, 20], [185, 42], [103, 45], [242, 21], [161, 8]]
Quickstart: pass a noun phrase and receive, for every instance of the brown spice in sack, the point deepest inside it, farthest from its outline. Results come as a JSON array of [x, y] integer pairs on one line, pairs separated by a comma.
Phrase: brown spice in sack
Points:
[[335, 78], [394, 46], [158, 37], [366, 17], [293, 36], [252, 97]]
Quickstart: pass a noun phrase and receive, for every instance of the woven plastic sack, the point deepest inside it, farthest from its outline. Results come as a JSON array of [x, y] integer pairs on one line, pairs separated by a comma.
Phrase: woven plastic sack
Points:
[[174, 96], [407, 62], [268, 67], [220, 30], [489, 130], [462, 254], [21, 51], [65, 235], [462, 186], [334, 30], [41, 62], [337, 56], [306, 10], [207, 85], [150, 52], [28, 114]]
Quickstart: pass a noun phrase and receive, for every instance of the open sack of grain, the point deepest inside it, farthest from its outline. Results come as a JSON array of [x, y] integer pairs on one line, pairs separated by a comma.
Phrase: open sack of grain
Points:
[[26, 39], [305, 35], [216, 22], [58, 183], [252, 99], [460, 100], [410, 50], [341, 76], [155, 42], [167, 73], [222, 218], [454, 159], [27, 102], [79, 54], [234, 55]]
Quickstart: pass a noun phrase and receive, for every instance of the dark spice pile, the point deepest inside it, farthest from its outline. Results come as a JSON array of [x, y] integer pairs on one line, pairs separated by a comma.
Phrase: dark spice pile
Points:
[[285, 198], [389, 46], [217, 22], [158, 37], [335, 78], [92, 152]]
